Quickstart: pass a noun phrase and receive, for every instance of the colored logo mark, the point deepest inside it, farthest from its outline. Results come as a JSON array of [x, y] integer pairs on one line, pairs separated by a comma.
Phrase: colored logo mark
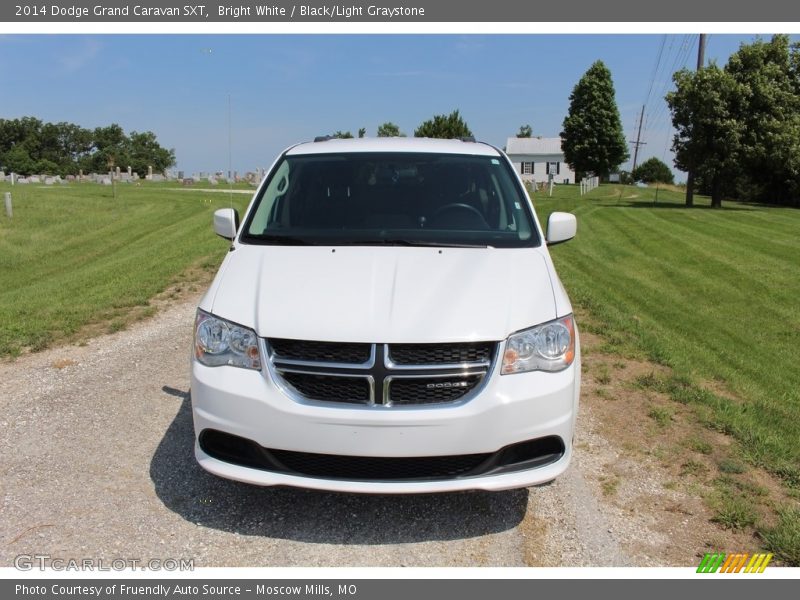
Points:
[[733, 563]]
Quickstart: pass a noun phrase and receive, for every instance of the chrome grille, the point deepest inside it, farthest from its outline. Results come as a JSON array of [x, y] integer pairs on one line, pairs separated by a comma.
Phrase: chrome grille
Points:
[[327, 388], [437, 354], [302, 350], [380, 374]]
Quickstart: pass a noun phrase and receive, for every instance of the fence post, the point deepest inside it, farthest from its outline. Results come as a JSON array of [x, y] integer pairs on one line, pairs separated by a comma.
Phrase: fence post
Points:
[[9, 211]]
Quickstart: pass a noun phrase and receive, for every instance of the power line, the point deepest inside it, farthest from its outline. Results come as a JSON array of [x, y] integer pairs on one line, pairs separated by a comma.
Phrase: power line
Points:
[[655, 114], [655, 69], [637, 124], [661, 115], [681, 58]]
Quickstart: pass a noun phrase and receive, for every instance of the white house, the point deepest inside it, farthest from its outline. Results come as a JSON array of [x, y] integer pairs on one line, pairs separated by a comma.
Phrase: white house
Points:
[[536, 158]]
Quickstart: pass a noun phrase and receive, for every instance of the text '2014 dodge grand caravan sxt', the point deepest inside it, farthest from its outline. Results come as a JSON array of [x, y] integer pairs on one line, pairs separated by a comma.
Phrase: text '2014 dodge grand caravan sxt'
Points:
[[388, 319]]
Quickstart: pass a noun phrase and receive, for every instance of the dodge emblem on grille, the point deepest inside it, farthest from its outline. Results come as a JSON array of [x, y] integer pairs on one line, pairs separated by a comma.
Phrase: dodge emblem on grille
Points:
[[447, 384]]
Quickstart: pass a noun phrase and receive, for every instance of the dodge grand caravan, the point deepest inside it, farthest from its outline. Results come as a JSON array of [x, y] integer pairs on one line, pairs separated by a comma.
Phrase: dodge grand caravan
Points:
[[387, 320]]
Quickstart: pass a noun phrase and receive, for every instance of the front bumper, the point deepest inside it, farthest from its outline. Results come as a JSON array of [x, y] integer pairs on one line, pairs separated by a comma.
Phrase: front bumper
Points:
[[508, 410]]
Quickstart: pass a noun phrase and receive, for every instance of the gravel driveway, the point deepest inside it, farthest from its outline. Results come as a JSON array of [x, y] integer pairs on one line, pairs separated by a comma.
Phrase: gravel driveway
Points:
[[98, 463]]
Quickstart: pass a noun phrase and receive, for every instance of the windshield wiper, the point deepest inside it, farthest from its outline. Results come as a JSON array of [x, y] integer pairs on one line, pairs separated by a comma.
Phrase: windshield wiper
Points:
[[283, 240], [405, 242], [288, 240]]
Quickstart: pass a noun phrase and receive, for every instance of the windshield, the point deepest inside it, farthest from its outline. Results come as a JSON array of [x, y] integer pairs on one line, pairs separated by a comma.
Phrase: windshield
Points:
[[395, 199]]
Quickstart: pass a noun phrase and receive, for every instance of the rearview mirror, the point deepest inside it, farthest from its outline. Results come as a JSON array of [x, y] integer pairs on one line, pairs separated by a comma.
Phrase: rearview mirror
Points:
[[226, 223], [561, 227]]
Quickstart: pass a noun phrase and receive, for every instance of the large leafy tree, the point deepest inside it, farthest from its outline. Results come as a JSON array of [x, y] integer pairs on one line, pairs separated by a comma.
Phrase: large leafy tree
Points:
[[450, 126], [525, 131], [708, 138], [767, 105], [738, 128], [110, 145], [18, 160], [144, 151], [653, 170], [593, 140]]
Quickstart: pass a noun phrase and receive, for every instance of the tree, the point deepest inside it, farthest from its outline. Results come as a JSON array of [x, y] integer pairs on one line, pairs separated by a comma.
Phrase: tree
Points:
[[389, 129], [144, 151], [653, 171], [525, 131], [110, 149], [708, 133], [592, 139], [362, 131], [449, 127], [344, 135], [46, 166], [17, 160], [768, 108]]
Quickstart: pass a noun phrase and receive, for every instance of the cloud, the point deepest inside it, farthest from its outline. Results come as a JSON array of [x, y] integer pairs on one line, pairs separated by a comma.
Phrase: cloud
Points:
[[409, 73], [80, 56], [469, 44]]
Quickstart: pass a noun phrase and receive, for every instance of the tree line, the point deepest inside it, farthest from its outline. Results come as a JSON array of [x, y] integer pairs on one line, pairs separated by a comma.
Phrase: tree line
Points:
[[738, 126], [29, 145], [450, 126]]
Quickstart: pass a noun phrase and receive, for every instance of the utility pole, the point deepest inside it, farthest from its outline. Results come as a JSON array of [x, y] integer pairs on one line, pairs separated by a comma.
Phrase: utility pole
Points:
[[701, 51], [637, 143], [701, 57]]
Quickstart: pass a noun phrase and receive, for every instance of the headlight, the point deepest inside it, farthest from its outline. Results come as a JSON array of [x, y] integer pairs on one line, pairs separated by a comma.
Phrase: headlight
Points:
[[219, 342], [546, 347]]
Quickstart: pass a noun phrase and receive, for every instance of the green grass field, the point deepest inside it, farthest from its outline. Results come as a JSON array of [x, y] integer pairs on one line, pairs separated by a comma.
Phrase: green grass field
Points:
[[74, 255], [713, 294]]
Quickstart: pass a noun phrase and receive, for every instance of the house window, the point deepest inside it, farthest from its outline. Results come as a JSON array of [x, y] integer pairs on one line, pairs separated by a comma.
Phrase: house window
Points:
[[553, 168], [527, 168]]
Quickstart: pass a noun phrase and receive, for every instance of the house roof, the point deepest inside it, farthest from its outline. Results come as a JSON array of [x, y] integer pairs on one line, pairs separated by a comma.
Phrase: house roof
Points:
[[533, 145]]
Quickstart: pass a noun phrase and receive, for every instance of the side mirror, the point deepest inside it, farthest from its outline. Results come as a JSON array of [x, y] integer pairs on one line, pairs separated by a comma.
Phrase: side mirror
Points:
[[226, 223], [561, 227]]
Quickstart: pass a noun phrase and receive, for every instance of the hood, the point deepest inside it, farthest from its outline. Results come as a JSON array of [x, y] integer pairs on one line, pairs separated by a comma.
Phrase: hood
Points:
[[383, 294]]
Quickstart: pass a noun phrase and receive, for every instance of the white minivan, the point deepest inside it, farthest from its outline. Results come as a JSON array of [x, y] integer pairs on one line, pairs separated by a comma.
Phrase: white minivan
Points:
[[387, 320]]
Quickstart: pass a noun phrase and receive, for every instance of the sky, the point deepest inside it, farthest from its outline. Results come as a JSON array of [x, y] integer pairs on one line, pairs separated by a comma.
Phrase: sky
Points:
[[241, 99]]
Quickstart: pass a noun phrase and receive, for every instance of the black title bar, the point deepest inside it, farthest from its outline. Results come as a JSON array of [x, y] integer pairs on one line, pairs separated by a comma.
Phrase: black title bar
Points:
[[699, 587], [412, 11]]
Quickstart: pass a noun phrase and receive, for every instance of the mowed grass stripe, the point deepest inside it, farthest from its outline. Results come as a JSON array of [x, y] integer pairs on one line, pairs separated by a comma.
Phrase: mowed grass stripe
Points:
[[722, 233], [669, 287], [706, 292], [761, 425], [106, 232], [125, 238], [739, 287], [75, 256], [707, 249]]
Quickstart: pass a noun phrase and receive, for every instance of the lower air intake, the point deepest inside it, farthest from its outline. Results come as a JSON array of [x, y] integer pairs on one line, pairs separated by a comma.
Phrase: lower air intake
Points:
[[240, 451]]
